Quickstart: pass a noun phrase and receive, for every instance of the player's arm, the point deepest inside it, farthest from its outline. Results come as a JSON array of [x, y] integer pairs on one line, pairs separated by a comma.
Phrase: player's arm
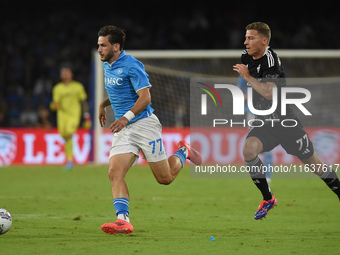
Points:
[[142, 102], [264, 89], [86, 115], [85, 106], [82, 97], [102, 111], [54, 105]]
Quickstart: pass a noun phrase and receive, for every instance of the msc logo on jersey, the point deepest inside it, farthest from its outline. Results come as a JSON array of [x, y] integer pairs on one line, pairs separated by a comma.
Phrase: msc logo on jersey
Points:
[[8, 147], [114, 81]]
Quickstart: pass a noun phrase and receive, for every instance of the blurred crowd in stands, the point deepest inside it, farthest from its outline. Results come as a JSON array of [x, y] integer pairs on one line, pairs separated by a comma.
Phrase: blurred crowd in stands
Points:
[[34, 45]]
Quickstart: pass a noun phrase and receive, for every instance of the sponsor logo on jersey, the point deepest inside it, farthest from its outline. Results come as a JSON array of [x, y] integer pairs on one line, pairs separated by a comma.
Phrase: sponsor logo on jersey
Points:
[[114, 81]]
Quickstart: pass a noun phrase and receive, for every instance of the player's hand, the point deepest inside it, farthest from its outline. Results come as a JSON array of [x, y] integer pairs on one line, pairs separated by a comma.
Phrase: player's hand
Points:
[[54, 106], [87, 120], [118, 125], [242, 70], [102, 116]]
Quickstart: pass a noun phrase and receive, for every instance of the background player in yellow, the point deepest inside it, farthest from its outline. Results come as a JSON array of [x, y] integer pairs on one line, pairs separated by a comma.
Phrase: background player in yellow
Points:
[[68, 98]]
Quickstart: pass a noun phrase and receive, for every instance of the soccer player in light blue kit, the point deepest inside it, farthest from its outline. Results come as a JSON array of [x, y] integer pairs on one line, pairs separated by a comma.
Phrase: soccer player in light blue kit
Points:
[[135, 128]]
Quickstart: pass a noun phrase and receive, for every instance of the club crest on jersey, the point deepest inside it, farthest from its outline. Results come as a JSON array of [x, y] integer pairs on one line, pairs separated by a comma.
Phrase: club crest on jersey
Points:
[[258, 68], [119, 71]]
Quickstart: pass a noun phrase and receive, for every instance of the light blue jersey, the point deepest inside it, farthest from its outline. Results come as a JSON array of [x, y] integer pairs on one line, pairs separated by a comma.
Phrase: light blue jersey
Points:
[[123, 79], [242, 84]]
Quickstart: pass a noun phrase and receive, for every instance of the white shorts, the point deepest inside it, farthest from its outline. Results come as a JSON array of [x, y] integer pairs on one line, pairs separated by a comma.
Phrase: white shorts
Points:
[[143, 135]]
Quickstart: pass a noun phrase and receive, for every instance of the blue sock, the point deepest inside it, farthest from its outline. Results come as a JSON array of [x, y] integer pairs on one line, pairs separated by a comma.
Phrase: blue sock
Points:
[[181, 155], [121, 205], [268, 161]]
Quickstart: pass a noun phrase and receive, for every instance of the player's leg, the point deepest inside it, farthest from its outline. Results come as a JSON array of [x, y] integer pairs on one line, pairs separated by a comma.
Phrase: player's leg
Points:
[[297, 142], [71, 125], [166, 170], [63, 123], [259, 140], [119, 165], [251, 149], [123, 155], [325, 172], [147, 135], [69, 151]]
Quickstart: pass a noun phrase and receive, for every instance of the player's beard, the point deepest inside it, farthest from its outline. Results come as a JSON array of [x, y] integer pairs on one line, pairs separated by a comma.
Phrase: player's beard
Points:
[[109, 56]]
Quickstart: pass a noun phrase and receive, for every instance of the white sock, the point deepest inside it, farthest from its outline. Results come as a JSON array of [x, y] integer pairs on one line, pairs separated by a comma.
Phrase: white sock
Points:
[[124, 217]]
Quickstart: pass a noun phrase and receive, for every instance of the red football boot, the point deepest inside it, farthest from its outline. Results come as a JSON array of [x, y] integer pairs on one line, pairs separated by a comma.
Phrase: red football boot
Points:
[[117, 227], [194, 156]]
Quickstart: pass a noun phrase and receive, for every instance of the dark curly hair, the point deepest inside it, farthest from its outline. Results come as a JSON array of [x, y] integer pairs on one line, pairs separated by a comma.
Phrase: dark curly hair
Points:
[[116, 34]]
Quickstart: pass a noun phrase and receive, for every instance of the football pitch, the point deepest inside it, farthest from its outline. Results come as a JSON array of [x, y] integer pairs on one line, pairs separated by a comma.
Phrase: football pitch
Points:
[[58, 212]]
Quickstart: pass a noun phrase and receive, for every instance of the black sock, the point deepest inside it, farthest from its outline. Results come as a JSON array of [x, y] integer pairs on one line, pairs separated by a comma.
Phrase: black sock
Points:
[[259, 177], [331, 180]]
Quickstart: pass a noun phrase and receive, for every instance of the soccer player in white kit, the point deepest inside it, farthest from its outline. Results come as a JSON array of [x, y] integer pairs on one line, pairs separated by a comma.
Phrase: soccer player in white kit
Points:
[[135, 128]]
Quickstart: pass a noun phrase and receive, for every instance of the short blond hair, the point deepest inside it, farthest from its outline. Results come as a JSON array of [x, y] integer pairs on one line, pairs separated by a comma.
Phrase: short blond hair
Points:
[[261, 28]]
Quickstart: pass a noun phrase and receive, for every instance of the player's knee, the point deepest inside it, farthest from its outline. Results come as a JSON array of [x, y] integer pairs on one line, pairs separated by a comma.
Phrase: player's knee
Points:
[[164, 180], [249, 153], [114, 174], [111, 173], [250, 149]]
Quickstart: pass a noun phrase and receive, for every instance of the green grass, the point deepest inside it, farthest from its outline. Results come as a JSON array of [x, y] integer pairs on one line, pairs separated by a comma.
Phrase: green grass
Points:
[[58, 212]]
